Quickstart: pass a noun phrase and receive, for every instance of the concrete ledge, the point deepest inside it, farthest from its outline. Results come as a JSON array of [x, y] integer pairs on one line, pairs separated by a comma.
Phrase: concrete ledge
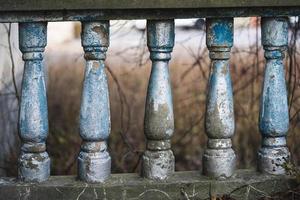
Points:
[[246, 184]]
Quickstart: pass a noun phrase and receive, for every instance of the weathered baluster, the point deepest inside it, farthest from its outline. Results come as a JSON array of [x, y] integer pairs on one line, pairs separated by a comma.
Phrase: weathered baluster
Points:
[[274, 117], [219, 157], [34, 162], [158, 159], [94, 162]]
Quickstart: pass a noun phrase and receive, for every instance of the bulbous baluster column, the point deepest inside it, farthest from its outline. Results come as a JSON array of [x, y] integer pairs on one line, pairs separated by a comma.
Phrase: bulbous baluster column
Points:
[[94, 162], [34, 162], [274, 117], [219, 158], [158, 159]]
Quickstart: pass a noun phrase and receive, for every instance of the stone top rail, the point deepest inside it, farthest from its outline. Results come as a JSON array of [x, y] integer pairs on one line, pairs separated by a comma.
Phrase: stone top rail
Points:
[[29, 5], [78, 10]]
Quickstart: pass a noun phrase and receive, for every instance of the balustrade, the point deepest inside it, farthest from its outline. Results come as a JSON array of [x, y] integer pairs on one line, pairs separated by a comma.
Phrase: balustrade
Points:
[[94, 162], [158, 161]]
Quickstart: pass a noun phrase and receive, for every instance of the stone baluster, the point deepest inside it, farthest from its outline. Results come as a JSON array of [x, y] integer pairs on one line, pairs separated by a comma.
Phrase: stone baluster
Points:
[[219, 158], [158, 159], [274, 117], [34, 162], [94, 162]]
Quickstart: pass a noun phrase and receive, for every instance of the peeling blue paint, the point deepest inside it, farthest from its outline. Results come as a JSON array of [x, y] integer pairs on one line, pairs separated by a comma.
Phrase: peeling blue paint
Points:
[[219, 158], [274, 117], [94, 162], [158, 160], [34, 162], [95, 113], [221, 32], [220, 116]]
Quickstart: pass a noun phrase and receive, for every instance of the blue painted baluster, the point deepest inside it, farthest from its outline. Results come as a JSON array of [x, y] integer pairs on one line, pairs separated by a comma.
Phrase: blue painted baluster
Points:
[[158, 159], [219, 158], [274, 117], [34, 162], [94, 162]]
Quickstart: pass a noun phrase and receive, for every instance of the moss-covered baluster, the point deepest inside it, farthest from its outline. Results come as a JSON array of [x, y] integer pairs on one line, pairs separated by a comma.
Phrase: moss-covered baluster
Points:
[[274, 117], [219, 158], [34, 162], [158, 160], [94, 162]]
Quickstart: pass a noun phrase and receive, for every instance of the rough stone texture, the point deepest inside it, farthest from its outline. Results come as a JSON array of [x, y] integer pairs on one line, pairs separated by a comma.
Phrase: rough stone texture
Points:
[[245, 184]]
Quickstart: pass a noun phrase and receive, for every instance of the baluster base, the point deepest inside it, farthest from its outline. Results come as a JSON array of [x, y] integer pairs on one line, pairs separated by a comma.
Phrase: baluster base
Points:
[[94, 167], [158, 165], [272, 160], [219, 163], [34, 167]]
